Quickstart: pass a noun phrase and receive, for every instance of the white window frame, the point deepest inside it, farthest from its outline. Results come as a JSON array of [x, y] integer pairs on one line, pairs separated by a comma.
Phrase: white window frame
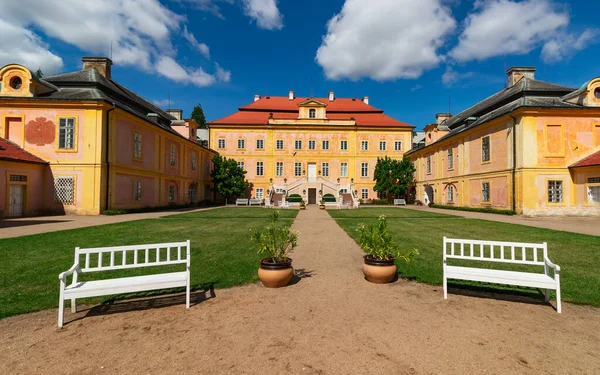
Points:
[[325, 169], [343, 144], [382, 145], [137, 145], [297, 169], [259, 193], [312, 144], [66, 133], [486, 147], [279, 144], [171, 192], [260, 168], [312, 113], [279, 169], [66, 194], [221, 143], [486, 192], [325, 144], [450, 193], [364, 145], [172, 155], [241, 165], [555, 191], [364, 193], [298, 144], [364, 169], [137, 191], [260, 144], [241, 144], [428, 164], [194, 161], [398, 146], [450, 158], [192, 193], [343, 169]]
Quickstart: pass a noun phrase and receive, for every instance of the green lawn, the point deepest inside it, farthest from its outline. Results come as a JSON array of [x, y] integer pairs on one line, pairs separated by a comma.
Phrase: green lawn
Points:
[[222, 254], [578, 255]]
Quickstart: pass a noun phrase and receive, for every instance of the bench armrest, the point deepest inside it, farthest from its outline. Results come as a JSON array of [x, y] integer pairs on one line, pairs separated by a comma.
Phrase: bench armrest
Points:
[[552, 265], [70, 271]]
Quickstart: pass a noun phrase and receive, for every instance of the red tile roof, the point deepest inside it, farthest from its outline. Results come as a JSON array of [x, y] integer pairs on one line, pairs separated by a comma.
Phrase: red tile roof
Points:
[[257, 113], [11, 151], [593, 159]]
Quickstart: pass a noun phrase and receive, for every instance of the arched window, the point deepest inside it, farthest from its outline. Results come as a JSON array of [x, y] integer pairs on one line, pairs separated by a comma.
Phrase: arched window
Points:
[[312, 113], [192, 192]]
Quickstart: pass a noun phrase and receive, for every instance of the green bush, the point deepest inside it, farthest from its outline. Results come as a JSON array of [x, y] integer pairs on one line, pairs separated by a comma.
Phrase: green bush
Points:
[[294, 198], [486, 210], [329, 198], [145, 209]]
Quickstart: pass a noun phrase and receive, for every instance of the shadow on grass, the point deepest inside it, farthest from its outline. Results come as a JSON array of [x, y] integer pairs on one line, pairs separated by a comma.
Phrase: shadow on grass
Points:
[[533, 296], [299, 274], [113, 306]]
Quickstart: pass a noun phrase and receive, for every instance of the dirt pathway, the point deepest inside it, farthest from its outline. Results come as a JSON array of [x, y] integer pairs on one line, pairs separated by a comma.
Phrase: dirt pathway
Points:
[[331, 321]]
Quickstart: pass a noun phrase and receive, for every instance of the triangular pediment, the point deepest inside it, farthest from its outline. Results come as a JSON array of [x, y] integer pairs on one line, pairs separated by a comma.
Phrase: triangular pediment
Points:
[[312, 103]]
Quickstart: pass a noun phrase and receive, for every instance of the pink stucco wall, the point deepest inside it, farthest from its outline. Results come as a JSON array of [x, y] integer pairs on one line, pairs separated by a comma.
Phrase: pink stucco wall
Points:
[[34, 188], [124, 139], [124, 195]]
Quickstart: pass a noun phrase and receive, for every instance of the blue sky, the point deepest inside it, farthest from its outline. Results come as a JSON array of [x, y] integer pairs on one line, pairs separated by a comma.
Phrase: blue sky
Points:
[[411, 57]]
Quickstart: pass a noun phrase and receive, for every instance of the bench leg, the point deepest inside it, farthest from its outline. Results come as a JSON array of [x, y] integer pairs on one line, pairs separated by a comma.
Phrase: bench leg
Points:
[[547, 296], [73, 306], [187, 292], [445, 288], [558, 307], [61, 311]]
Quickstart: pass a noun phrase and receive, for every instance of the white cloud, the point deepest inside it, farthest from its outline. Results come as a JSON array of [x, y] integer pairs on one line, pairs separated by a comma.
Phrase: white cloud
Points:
[[141, 33], [501, 27], [567, 45], [171, 69], [451, 76], [384, 39], [265, 13], [201, 47], [210, 6], [222, 74], [21, 46], [163, 103]]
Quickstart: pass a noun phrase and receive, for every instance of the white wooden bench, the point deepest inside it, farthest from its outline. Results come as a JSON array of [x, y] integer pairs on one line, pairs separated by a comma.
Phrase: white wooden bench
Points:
[[331, 204], [284, 204], [502, 252], [241, 202], [120, 258], [268, 204], [255, 202], [398, 202]]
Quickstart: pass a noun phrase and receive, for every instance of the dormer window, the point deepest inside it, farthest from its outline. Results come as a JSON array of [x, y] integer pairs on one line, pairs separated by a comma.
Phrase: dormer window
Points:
[[16, 83], [312, 113], [597, 93]]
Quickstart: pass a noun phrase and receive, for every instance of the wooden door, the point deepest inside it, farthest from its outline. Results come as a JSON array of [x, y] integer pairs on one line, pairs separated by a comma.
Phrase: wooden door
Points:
[[16, 200], [312, 196]]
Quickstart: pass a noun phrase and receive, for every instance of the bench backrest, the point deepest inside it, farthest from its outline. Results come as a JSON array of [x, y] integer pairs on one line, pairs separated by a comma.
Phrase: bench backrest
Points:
[[496, 251], [240, 200], [123, 257], [399, 201]]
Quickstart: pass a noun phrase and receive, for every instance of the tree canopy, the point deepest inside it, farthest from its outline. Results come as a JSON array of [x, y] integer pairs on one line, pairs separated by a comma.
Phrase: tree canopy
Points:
[[393, 176], [198, 116], [39, 73], [228, 178]]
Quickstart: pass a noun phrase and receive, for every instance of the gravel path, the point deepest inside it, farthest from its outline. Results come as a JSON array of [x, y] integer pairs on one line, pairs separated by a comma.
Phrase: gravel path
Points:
[[330, 321]]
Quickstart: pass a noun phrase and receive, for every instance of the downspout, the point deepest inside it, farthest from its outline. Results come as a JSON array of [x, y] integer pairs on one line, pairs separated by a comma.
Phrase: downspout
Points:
[[514, 163], [107, 156]]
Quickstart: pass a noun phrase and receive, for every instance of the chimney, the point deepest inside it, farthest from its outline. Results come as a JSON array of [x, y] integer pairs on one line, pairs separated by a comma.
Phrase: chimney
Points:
[[331, 96], [102, 64], [291, 95], [440, 118], [365, 99], [177, 113], [517, 72], [256, 97]]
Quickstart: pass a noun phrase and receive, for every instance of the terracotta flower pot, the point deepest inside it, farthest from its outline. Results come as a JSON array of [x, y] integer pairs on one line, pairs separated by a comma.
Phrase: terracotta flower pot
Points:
[[275, 275], [321, 207], [379, 271], [303, 207]]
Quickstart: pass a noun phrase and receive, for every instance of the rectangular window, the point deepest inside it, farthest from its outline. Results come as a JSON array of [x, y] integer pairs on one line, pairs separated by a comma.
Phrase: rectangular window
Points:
[[173, 155], [485, 149], [279, 169], [193, 161], [221, 143], [171, 193], [364, 169], [259, 193], [279, 144], [325, 145], [298, 144], [450, 193], [450, 159], [18, 178], [364, 194], [382, 145], [344, 170], [241, 143], [555, 191], [364, 145], [260, 144], [312, 144], [428, 164], [66, 133], [343, 145], [297, 169], [398, 146], [137, 191], [594, 194], [260, 168], [137, 145], [64, 190], [312, 113], [192, 192], [485, 192], [241, 165], [325, 169]]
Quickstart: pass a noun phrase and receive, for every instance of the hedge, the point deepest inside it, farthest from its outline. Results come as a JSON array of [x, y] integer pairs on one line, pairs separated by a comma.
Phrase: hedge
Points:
[[294, 198], [329, 198], [486, 210]]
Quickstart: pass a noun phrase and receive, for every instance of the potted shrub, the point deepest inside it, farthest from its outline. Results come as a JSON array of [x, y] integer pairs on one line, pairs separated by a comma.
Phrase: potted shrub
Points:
[[276, 242], [379, 263], [322, 205], [302, 205]]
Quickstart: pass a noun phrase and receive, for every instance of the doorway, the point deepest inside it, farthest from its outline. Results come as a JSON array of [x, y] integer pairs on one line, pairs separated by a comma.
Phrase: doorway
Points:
[[312, 172], [17, 193], [312, 196]]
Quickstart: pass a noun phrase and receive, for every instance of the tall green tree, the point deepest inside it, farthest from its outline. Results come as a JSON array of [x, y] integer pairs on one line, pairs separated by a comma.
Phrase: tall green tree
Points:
[[393, 176], [228, 178], [198, 115], [39, 73]]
